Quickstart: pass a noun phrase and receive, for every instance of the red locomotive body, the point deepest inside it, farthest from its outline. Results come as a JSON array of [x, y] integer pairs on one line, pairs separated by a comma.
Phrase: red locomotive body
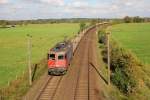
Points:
[[59, 58]]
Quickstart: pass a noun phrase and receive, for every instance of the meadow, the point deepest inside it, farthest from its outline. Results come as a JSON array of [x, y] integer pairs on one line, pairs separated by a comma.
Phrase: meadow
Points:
[[13, 46], [135, 37]]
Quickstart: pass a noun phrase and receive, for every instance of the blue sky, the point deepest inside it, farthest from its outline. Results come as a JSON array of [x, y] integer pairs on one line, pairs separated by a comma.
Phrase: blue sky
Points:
[[40, 9]]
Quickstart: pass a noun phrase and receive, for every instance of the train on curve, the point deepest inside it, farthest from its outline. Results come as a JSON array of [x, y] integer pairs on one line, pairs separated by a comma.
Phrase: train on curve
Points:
[[59, 58]]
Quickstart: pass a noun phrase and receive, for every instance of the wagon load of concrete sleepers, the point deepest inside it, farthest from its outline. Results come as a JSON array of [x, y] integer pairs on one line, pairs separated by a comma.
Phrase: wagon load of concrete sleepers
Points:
[[75, 41]]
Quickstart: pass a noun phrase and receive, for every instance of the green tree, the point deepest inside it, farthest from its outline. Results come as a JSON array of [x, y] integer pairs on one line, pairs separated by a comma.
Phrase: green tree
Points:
[[137, 19], [4, 23], [82, 26], [127, 19]]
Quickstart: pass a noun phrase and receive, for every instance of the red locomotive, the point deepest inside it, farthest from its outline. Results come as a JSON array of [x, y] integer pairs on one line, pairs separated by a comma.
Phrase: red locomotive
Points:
[[59, 58]]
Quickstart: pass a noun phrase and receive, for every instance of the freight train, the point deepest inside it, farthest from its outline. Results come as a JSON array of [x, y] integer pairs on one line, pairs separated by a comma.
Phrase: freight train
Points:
[[59, 58]]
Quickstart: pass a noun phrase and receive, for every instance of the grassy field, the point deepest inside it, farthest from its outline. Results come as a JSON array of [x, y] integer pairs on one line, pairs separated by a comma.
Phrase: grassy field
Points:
[[135, 37], [13, 46]]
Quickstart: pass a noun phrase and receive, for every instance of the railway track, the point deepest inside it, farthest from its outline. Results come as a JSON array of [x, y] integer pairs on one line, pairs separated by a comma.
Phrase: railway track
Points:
[[49, 89], [84, 89], [78, 83], [83, 81]]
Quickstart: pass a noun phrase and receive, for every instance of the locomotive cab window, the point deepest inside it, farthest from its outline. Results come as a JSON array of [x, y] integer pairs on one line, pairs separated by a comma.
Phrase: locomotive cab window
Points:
[[52, 56], [60, 57]]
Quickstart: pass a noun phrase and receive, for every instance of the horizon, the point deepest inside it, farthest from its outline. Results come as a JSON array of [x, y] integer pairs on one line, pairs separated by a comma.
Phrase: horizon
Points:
[[68, 18]]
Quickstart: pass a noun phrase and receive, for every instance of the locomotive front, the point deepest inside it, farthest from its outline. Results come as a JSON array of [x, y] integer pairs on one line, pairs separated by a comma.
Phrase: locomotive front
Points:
[[57, 63], [59, 59]]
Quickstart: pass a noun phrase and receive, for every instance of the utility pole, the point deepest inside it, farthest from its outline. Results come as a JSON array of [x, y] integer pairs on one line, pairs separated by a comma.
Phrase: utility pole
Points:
[[29, 59], [96, 29], [108, 56]]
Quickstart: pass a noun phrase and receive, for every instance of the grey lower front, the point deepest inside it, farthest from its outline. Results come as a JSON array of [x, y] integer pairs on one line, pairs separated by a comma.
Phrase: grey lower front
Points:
[[57, 71]]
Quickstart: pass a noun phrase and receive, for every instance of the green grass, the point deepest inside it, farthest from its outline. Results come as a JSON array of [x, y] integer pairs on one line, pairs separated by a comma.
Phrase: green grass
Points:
[[135, 37], [13, 46]]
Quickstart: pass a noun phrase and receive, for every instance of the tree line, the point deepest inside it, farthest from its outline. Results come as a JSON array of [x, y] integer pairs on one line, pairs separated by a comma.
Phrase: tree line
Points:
[[12, 23], [127, 19], [136, 19]]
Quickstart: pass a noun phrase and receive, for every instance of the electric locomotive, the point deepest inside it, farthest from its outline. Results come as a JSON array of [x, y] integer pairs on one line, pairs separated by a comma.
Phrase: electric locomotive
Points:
[[59, 58]]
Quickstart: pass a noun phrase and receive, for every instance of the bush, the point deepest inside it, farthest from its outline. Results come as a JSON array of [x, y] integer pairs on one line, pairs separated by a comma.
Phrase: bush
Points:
[[102, 37], [123, 64], [123, 81]]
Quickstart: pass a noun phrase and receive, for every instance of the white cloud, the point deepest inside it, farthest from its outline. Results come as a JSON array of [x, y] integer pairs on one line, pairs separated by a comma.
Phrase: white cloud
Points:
[[116, 8], [75, 8], [54, 2], [79, 4], [3, 1]]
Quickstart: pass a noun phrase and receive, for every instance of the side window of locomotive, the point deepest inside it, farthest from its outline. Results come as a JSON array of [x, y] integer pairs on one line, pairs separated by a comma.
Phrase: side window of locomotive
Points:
[[52, 56], [60, 57]]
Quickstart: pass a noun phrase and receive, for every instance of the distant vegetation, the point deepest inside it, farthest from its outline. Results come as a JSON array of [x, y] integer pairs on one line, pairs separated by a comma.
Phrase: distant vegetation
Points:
[[126, 19], [136, 19], [12, 23]]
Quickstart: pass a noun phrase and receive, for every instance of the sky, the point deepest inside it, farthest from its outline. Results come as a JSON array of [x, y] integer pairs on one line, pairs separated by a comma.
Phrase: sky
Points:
[[44, 9]]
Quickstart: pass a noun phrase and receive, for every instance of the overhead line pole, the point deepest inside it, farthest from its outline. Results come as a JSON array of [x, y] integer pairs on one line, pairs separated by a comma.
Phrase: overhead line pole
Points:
[[29, 59], [108, 56]]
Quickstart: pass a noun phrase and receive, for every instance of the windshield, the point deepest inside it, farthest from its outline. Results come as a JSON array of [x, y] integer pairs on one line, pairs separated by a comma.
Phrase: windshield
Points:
[[52, 56], [60, 57]]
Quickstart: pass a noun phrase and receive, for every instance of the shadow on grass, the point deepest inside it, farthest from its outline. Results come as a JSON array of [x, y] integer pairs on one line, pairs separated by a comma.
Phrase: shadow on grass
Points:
[[34, 71], [98, 73]]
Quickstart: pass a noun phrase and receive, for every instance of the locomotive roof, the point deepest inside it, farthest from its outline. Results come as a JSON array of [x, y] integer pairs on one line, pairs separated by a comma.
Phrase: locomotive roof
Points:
[[62, 46]]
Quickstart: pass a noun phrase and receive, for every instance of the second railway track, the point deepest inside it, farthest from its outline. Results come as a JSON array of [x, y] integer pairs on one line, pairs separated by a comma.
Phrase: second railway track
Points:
[[82, 90]]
